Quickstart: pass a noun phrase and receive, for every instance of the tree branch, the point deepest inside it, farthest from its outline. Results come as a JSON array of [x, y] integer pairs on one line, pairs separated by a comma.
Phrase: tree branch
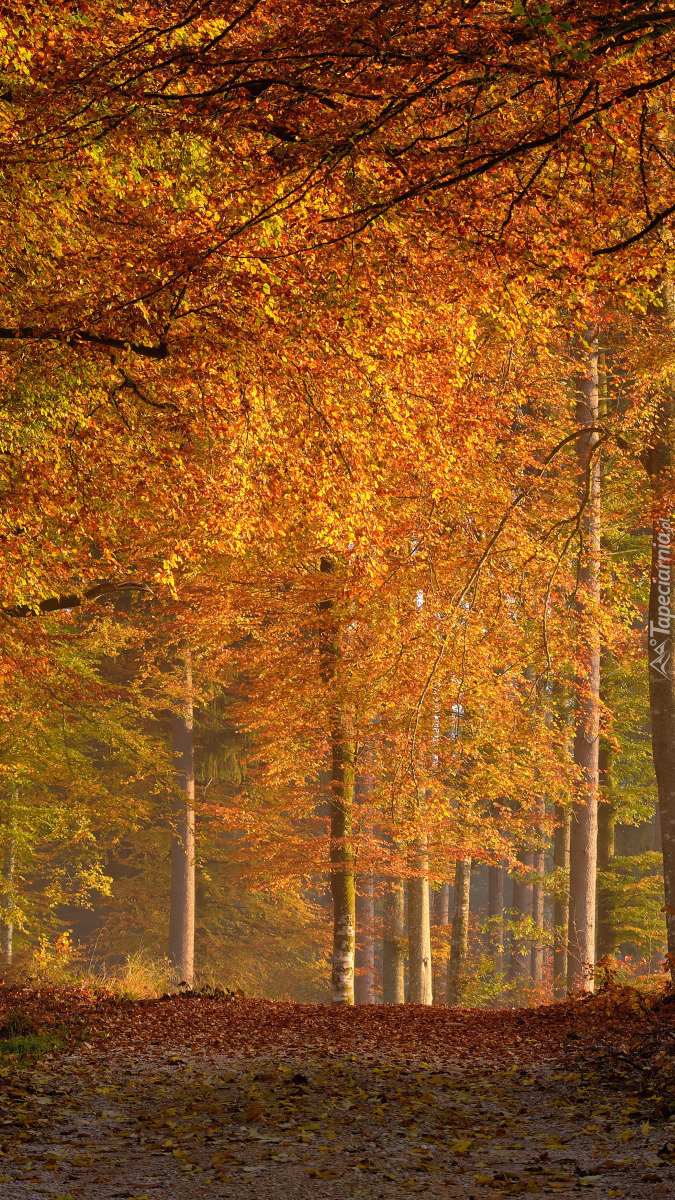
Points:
[[667, 212], [30, 333], [75, 600]]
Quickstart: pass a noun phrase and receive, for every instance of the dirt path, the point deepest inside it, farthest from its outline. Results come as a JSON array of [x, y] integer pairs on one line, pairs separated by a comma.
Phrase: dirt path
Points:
[[119, 1117]]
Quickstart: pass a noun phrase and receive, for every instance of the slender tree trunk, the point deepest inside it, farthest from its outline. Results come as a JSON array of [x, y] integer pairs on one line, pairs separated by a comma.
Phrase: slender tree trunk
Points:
[[393, 943], [521, 952], [584, 817], [561, 905], [606, 822], [442, 905], [659, 462], [182, 902], [341, 805], [343, 890], [459, 946], [657, 840], [8, 899], [606, 939], [496, 911], [441, 921], [364, 981], [419, 932], [662, 704], [537, 961]]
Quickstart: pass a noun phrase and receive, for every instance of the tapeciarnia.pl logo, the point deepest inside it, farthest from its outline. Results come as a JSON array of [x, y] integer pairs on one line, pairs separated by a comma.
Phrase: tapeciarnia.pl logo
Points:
[[660, 630]]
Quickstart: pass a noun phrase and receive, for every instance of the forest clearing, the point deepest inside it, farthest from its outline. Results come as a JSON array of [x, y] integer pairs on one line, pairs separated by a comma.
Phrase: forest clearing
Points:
[[337, 685]]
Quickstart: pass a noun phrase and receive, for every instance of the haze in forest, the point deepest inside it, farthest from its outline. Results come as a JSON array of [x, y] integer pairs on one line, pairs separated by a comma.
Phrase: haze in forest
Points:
[[337, 357]]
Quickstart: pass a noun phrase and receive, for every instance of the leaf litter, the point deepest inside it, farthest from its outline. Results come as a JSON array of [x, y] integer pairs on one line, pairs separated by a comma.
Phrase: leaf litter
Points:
[[195, 1095]]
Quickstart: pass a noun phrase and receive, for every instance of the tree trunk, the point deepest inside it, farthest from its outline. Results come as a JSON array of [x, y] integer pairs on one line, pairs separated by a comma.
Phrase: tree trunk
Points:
[[393, 943], [496, 911], [442, 921], [561, 904], [7, 918], [657, 840], [342, 887], [459, 947], [341, 806], [442, 905], [584, 818], [521, 953], [606, 822], [419, 932], [182, 902], [537, 961], [364, 980], [658, 462], [662, 705]]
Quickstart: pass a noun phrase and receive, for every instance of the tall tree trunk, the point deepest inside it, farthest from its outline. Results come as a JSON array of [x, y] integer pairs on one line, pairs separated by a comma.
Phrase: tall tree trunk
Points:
[[561, 904], [662, 699], [606, 822], [657, 840], [341, 806], [584, 817], [496, 911], [442, 905], [8, 898], [441, 921], [606, 938], [364, 981], [419, 932], [182, 902], [393, 943], [659, 461], [343, 890], [459, 947], [537, 961], [521, 953]]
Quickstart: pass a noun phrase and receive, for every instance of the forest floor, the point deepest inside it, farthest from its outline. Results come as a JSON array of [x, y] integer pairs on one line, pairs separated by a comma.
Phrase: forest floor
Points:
[[196, 1096]]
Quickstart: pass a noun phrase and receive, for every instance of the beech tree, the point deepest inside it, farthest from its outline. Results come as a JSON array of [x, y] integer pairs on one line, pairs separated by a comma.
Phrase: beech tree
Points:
[[393, 949], [584, 816], [365, 981], [419, 929], [182, 894], [520, 963], [8, 903], [658, 460], [496, 908], [460, 930]]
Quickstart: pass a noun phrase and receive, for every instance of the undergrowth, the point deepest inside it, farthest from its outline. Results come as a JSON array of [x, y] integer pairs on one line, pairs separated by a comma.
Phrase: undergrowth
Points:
[[141, 976], [21, 1037]]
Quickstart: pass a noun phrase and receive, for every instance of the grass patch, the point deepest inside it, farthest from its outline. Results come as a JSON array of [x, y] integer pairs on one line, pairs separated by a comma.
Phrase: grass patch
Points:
[[20, 1037], [31, 1045]]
